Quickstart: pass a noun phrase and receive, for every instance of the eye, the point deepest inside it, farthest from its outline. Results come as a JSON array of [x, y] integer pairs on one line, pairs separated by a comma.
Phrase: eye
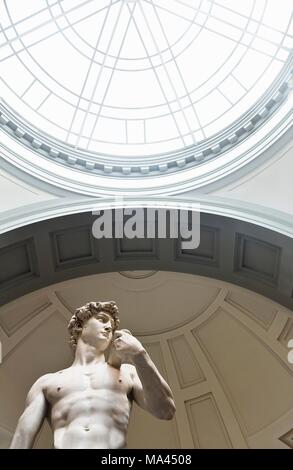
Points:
[[103, 319]]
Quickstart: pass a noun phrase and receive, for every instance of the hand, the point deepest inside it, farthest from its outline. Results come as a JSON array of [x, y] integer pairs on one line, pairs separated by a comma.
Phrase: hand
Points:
[[126, 345]]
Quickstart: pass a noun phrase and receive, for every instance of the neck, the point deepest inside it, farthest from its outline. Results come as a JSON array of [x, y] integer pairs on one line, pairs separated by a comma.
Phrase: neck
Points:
[[87, 355]]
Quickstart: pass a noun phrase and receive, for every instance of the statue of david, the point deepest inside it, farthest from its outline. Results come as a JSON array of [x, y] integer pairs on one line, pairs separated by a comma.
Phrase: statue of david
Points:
[[88, 404]]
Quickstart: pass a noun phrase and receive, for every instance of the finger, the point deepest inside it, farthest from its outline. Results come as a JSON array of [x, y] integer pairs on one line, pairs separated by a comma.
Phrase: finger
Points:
[[126, 331], [117, 334], [116, 342]]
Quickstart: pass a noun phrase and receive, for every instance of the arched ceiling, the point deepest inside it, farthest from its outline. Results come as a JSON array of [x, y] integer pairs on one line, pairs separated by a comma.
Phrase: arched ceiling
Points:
[[63, 248], [222, 348]]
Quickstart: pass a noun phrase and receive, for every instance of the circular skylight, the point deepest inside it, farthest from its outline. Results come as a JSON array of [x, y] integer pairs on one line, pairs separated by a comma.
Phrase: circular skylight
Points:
[[139, 77]]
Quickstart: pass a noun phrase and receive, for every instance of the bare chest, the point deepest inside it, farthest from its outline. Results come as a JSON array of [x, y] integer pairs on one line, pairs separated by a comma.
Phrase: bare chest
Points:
[[77, 381]]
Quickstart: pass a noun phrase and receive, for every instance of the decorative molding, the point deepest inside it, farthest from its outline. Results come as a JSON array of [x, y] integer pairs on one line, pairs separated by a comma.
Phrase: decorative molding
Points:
[[227, 410], [137, 247], [287, 333], [271, 219], [248, 427], [73, 246], [287, 438], [65, 248], [236, 300], [18, 263], [68, 309], [261, 336], [206, 423], [208, 251], [11, 320], [257, 259], [26, 329], [187, 368], [181, 419], [137, 274]]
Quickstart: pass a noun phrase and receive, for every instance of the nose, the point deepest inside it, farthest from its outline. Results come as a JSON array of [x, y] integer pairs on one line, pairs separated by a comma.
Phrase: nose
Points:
[[108, 329]]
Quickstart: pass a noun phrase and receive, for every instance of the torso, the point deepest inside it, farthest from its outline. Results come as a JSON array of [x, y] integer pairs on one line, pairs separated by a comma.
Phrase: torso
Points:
[[89, 407]]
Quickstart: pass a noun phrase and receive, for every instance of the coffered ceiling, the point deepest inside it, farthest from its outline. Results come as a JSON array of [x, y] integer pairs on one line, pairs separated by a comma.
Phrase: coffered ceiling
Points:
[[52, 251]]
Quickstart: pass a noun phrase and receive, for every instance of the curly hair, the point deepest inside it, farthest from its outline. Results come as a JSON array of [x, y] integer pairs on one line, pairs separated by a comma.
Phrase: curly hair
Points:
[[87, 311]]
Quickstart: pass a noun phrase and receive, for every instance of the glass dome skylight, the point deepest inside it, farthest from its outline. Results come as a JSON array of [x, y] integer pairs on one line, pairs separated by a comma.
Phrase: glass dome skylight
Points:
[[139, 77]]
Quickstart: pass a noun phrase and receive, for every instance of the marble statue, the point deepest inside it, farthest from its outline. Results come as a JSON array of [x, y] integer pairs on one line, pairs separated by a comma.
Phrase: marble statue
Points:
[[88, 404]]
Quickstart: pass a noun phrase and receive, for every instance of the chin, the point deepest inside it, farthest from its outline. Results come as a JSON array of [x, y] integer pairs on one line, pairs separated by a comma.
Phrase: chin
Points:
[[103, 343]]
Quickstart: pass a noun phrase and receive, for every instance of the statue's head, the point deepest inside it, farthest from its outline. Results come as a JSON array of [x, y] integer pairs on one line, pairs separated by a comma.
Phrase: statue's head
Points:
[[95, 322]]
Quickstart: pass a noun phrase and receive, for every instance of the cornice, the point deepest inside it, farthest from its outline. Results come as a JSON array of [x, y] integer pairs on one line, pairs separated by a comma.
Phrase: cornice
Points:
[[174, 183], [271, 219]]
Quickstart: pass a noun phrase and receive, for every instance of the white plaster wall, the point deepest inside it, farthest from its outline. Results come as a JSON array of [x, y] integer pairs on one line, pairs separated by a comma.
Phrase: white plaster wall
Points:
[[269, 185], [15, 193]]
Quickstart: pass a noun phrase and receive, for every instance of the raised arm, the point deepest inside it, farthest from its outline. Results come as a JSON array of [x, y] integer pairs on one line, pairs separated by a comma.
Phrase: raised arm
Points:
[[32, 418], [150, 390]]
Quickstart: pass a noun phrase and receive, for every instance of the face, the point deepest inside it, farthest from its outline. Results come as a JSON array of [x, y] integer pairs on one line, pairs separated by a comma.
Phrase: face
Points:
[[98, 331]]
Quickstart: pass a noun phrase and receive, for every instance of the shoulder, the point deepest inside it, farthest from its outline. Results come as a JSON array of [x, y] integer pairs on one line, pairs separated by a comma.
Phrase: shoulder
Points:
[[43, 381], [38, 388], [129, 370]]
